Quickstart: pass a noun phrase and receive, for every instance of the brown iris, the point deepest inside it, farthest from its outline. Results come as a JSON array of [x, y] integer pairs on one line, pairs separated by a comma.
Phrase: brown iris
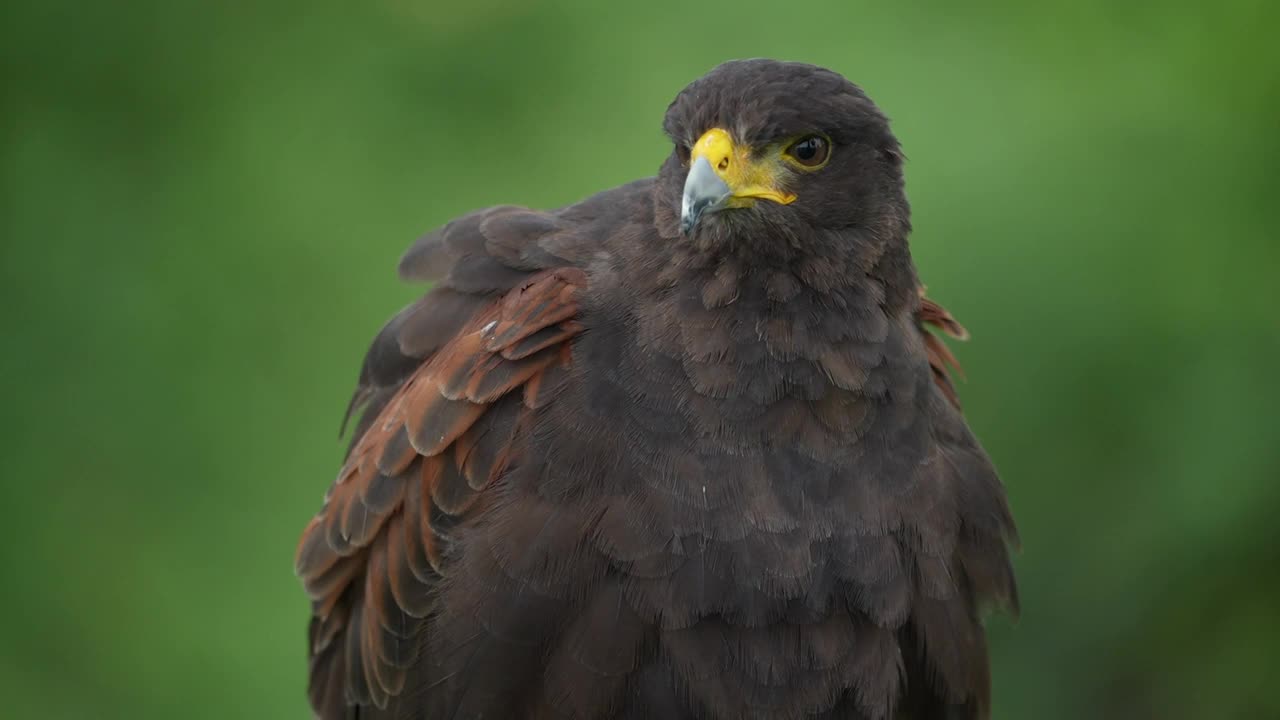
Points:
[[810, 151]]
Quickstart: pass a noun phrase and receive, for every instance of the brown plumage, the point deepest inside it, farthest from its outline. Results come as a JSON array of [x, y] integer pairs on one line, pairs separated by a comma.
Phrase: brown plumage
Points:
[[630, 459]]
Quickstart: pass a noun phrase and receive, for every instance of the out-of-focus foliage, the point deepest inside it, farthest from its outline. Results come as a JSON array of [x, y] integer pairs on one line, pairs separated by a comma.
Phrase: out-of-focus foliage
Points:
[[202, 204]]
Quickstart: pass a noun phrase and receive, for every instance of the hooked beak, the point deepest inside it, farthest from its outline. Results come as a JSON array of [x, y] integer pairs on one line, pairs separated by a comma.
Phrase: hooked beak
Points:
[[723, 174], [704, 191]]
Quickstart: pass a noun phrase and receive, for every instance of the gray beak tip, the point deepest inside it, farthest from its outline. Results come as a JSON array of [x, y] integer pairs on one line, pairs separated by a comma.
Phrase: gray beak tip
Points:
[[704, 192]]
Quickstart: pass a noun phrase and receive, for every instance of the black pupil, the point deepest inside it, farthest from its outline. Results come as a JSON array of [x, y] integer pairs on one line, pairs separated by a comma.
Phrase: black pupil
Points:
[[807, 149]]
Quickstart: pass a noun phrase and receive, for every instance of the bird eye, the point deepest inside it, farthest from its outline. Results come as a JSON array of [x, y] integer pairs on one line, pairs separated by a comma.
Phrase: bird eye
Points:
[[683, 152], [810, 152]]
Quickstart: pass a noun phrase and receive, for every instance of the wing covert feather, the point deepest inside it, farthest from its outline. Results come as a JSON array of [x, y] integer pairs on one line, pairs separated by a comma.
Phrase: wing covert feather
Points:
[[428, 451]]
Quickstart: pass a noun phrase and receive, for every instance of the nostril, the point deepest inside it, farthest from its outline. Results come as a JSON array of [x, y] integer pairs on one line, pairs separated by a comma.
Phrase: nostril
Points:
[[724, 163]]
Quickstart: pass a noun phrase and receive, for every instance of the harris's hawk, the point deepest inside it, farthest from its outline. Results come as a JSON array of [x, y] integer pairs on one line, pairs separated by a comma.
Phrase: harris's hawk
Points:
[[685, 449]]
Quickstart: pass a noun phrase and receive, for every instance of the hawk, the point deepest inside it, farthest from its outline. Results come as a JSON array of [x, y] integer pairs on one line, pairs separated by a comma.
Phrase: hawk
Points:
[[686, 449]]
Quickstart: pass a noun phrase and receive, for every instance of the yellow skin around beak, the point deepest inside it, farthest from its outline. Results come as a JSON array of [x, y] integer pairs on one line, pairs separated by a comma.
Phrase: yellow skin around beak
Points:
[[748, 178]]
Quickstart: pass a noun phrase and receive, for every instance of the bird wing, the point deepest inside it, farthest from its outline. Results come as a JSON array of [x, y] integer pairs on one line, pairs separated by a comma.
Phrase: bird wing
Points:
[[942, 362], [944, 645], [448, 386]]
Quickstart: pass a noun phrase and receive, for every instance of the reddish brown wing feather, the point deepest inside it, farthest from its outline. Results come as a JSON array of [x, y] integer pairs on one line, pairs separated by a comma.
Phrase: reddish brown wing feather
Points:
[[941, 360], [370, 558]]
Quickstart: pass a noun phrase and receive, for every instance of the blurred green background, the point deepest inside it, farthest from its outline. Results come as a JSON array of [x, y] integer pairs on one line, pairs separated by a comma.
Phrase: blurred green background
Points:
[[202, 205]]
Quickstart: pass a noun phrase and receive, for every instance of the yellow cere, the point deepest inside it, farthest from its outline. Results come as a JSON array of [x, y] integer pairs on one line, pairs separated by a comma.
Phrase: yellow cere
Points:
[[748, 178]]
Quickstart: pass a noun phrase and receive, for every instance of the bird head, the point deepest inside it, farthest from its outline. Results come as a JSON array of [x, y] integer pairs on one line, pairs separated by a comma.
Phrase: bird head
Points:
[[771, 151]]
